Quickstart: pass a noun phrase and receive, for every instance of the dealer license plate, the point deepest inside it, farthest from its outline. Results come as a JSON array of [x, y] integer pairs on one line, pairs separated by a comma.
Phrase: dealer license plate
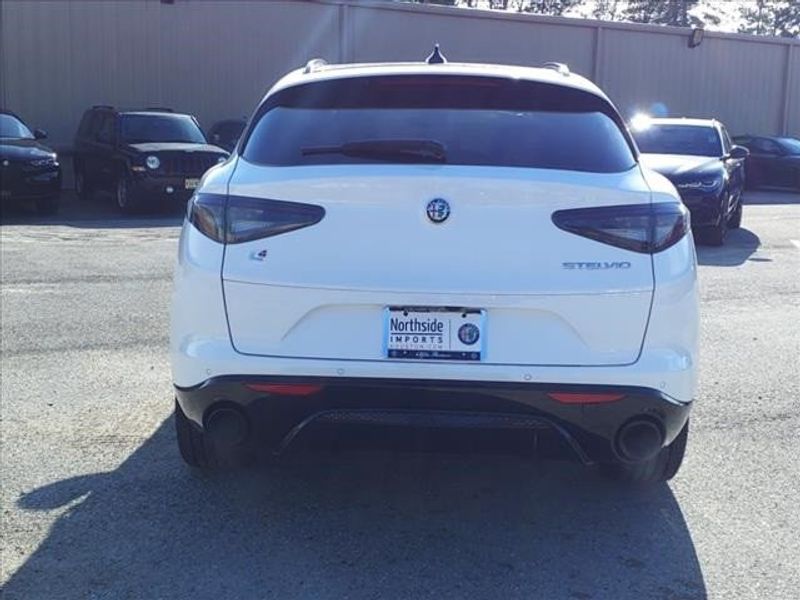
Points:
[[192, 183], [424, 333]]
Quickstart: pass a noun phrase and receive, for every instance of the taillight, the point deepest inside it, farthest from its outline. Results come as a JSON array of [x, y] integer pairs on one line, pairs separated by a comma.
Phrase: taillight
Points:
[[647, 228], [237, 219]]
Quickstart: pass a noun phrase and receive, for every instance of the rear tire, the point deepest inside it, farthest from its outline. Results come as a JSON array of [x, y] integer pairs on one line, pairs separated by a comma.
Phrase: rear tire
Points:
[[196, 450], [662, 467], [82, 189]]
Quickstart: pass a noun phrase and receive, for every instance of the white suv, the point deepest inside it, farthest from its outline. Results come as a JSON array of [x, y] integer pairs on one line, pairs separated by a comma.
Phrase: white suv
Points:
[[439, 245]]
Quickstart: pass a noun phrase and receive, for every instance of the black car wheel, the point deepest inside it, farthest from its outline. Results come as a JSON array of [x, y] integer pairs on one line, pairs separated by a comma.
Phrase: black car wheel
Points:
[[126, 200], [47, 206], [662, 467], [736, 216], [196, 450], [82, 189]]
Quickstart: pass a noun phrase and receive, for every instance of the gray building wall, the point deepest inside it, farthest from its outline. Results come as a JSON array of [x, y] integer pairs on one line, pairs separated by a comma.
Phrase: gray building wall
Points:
[[216, 59]]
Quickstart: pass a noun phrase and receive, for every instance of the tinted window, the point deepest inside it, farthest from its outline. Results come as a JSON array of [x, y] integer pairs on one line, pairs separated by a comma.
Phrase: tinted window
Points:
[[229, 130], [764, 146], [105, 132], [695, 140], [12, 127], [141, 128], [478, 121], [95, 122], [791, 145]]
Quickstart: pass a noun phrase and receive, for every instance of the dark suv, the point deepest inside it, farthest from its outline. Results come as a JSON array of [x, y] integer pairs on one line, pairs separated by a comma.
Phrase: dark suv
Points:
[[145, 157]]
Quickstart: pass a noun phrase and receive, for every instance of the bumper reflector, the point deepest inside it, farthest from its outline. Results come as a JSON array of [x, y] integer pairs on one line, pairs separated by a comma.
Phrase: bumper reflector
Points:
[[584, 398], [285, 389]]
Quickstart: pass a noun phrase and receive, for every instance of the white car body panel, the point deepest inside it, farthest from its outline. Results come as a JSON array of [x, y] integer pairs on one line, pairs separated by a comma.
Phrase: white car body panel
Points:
[[321, 291]]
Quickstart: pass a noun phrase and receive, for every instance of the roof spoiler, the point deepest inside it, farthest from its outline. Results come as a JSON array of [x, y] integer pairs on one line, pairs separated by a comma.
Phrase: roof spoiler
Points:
[[558, 67], [315, 64]]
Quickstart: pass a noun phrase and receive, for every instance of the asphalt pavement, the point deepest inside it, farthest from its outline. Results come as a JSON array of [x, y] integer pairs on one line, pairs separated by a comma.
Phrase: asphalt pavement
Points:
[[96, 502]]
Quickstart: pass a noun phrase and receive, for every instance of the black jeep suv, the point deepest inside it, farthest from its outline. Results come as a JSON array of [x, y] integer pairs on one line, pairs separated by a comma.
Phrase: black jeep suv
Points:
[[145, 158]]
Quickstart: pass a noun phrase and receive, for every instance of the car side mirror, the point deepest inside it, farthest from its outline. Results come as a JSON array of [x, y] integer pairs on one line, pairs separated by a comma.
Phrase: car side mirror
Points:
[[739, 152], [39, 134]]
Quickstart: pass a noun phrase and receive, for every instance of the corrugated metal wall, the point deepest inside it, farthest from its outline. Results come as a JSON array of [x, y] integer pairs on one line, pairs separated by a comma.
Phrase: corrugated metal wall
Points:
[[217, 58]]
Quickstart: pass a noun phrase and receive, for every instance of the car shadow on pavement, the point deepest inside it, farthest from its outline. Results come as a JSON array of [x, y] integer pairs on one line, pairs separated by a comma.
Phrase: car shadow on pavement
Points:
[[740, 245], [355, 525]]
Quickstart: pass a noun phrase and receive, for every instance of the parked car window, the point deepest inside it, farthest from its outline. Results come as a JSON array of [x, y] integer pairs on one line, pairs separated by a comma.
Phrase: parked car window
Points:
[[764, 146], [143, 128], [791, 145], [105, 132], [695, 140], [83, 127], [478, 121], [230, 129], [12, 127], [95, 121]]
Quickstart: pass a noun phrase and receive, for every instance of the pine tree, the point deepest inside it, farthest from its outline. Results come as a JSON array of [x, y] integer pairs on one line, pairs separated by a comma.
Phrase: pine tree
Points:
[[607, 10], [772, 17], [439, 2], [549, 7], [661, 12]]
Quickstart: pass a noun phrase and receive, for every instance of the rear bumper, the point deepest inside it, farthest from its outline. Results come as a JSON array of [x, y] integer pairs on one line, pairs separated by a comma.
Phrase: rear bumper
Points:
[[586, 431]]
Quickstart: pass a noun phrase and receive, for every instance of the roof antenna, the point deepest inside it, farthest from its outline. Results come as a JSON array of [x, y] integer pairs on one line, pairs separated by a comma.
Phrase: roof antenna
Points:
[[436, 57]]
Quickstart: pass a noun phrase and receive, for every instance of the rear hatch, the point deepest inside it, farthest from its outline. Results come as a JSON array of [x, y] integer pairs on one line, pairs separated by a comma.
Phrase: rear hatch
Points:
[[546, 295]]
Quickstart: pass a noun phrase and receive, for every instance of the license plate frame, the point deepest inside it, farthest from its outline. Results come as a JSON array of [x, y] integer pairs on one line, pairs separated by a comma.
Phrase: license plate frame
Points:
[[451, 347]]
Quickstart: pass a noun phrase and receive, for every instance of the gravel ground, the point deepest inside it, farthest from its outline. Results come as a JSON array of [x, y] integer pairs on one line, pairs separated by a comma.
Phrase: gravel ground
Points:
[[97, 504]]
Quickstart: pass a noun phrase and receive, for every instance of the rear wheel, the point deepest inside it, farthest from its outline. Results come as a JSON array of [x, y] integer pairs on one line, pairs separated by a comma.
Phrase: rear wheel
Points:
[[662, 467], [196, 449], [82, 189]]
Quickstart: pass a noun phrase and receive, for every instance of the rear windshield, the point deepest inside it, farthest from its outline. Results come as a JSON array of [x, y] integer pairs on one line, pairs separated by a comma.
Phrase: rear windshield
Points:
[[139, 129], [470, 120], [695, 140]]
